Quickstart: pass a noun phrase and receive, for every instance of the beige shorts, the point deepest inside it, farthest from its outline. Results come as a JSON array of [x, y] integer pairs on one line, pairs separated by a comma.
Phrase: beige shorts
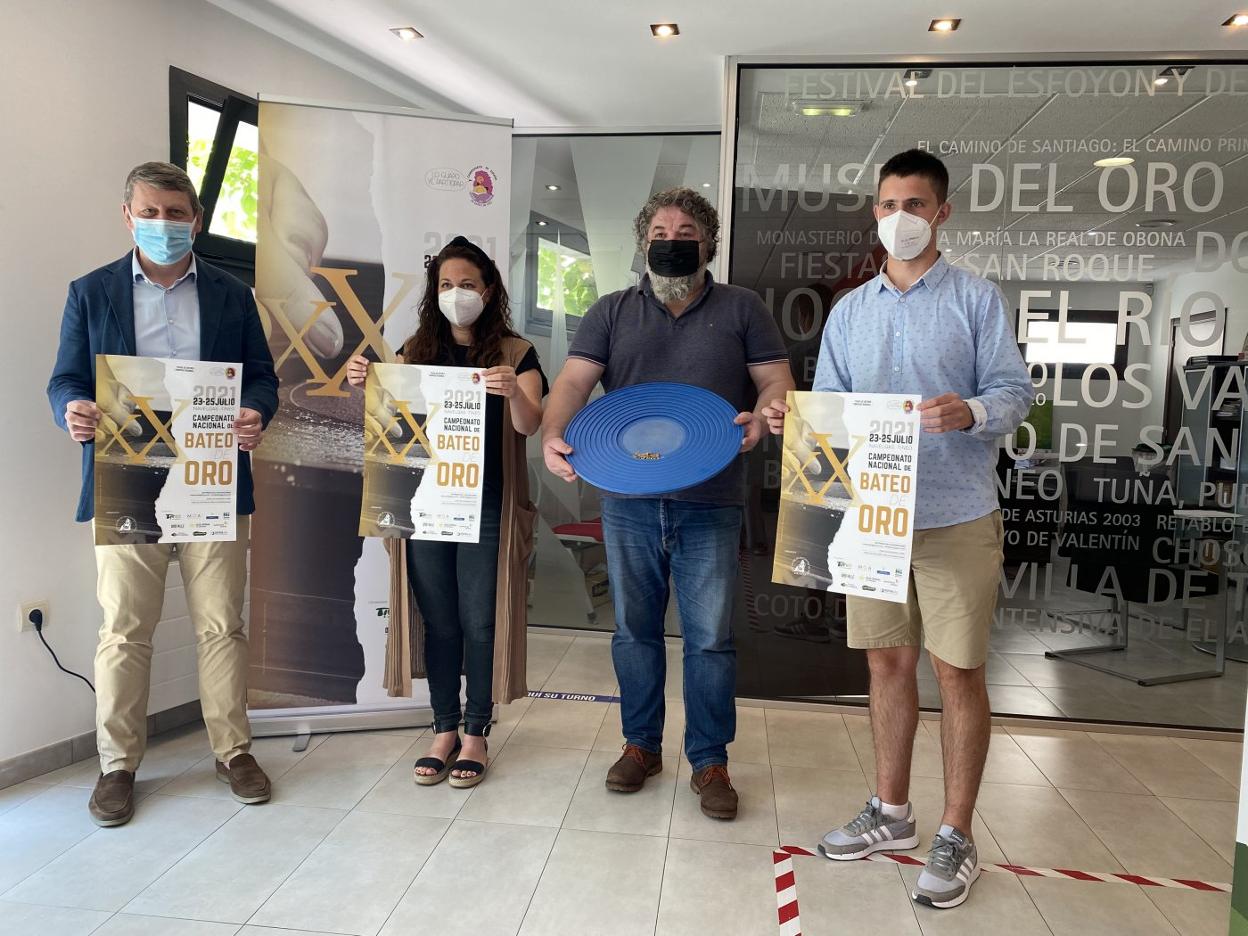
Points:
[[955, 575]]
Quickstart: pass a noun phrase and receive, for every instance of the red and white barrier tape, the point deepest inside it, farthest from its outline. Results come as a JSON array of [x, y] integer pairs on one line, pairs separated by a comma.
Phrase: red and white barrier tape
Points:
[[786, 895], [1101, 877]]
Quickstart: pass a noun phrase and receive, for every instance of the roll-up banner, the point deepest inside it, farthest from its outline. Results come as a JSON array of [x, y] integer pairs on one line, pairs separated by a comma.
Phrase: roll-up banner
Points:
[[353, 202]]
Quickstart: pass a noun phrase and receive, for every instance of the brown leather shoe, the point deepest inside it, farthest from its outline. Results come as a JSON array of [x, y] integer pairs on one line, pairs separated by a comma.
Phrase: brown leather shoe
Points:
[[713, 785], [247, 781], [112, 800], [628, 774]]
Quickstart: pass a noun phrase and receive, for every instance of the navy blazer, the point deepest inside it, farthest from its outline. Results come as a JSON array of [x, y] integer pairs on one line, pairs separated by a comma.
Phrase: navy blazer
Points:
[[99, 319]]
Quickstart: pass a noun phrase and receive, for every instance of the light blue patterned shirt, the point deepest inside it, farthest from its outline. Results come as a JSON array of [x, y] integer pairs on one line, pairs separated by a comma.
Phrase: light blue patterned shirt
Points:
[[166, 321], [947, 332]]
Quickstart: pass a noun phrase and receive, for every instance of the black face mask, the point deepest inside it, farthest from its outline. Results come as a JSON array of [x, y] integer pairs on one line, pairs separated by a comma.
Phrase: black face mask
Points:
[[673, 257]]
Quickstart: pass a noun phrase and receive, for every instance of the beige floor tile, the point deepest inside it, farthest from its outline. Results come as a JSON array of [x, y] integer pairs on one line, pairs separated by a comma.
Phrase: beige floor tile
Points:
[[1072, 760], [852, 897], [1213, 821], [13, 796], [1036, 826], [40, 829], [598, 882], [586, 667], [555, 723], [353, 880], [809, 739], [810, 801], [674, 686], [690, 905], [1146, 837], [129, 924], [751, 744], [527, 786], [167, 756], [997, 905], [545, 651], [213, 884], [509, 857], [509, 717], [1165, 767], [1225, 758], [1076, 908], [106, 870], [927, 795], [1190, 912], [18, 919], [596, 809], [340, 771], [756, 812]]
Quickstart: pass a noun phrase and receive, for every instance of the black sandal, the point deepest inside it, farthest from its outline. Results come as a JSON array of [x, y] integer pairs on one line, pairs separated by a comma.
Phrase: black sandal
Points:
[[478, 769], [441, 767]]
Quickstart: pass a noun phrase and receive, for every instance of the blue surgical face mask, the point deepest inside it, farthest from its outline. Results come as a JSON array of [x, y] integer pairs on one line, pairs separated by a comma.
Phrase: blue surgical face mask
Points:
[[163, 242]]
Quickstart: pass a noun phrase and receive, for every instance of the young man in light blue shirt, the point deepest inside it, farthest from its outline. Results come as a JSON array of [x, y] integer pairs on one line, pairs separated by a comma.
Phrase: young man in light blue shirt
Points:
[[925, 327]]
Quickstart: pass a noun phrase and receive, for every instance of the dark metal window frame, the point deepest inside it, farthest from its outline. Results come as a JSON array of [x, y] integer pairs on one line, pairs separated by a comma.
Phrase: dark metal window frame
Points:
[[184, 88]]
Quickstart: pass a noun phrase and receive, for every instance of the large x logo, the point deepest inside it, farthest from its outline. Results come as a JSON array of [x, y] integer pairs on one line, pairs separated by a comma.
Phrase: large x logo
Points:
[[116, 433], [340, 280], [418, 432], [838, 467]]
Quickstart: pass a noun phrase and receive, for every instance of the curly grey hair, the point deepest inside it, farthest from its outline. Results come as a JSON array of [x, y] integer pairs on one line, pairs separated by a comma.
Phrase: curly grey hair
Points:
[[165, 176], [691, 203]]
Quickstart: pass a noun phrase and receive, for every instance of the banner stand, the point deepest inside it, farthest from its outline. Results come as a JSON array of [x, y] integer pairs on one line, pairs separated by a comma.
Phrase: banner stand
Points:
[[353, 201]]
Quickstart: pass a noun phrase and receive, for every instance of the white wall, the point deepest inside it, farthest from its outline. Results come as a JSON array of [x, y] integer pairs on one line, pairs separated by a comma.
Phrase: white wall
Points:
[[85, 98]]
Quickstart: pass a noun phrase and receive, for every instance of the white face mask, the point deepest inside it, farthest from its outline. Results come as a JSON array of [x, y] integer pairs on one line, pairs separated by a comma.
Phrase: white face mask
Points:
[[904, 235], [461, 307]]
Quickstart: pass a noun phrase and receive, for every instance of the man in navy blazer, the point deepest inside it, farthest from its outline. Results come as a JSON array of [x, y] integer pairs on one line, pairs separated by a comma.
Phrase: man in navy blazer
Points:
[[160, 300]]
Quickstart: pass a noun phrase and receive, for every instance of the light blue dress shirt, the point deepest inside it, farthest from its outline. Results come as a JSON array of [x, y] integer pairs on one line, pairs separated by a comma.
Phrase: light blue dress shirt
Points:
[[947, 332], [166, 321]]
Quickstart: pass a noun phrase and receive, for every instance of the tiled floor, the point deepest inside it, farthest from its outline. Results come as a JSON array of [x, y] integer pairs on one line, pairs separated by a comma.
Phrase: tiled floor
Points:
[[351, 846]]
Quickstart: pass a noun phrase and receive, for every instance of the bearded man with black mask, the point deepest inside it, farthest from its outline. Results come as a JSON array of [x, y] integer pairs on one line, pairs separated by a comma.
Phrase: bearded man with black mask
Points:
[[679, 325]]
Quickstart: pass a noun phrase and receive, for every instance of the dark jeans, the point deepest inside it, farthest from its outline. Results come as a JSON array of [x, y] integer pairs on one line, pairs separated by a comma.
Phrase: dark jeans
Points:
[[455, 586], [650, 540]]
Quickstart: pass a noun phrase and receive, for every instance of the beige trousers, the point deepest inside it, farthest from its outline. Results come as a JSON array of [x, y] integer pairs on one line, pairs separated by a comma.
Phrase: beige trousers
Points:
[[131, 590]]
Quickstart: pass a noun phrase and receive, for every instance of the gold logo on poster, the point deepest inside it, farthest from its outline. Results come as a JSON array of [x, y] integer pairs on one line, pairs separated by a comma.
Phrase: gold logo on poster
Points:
[[839, 472], [112, 432], [418, 432]]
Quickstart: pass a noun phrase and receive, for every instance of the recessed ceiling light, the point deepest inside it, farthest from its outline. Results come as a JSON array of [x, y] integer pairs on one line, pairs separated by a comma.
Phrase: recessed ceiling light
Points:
[[915, 75], [664, 30], [1111, 162], [406, 33], [1239, 19], [828, 108], [1171, 71], [552, 188], [1161, 80], [1156, 223], [542, 223], [706, 184], [944, 25]]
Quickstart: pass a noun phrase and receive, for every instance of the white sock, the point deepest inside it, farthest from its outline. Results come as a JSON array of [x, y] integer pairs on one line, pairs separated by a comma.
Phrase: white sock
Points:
[[895, 812]]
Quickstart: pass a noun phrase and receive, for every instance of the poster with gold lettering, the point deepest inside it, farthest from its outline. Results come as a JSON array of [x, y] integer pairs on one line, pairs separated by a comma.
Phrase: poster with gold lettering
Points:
[[166, 458], [847, 486], [424, 452]]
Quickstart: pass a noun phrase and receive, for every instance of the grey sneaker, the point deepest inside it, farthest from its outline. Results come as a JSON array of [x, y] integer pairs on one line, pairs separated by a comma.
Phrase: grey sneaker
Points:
[[952, 867], [870, 832]]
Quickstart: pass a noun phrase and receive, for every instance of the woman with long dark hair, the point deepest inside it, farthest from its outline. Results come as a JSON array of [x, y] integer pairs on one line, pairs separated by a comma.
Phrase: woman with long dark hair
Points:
[[471, 597]]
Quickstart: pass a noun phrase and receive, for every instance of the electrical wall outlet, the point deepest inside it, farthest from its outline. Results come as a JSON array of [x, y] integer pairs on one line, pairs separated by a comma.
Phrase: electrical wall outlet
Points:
[[25, 611]]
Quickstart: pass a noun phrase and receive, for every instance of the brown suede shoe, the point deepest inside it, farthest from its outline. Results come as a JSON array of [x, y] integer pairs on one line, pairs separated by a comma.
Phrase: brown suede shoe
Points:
[[247, 781], [719, 799], [112, 800], [628, 774]]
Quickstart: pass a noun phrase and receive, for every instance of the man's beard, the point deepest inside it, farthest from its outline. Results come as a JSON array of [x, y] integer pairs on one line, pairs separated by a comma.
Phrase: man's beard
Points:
[[676, 288]]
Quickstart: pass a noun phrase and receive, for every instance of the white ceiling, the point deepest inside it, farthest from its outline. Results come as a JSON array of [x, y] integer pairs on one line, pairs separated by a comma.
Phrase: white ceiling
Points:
[[593, 63]]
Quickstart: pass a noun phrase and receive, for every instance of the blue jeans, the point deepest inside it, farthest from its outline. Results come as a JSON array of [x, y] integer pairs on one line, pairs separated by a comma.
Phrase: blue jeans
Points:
[[649, 540], [455, 586]]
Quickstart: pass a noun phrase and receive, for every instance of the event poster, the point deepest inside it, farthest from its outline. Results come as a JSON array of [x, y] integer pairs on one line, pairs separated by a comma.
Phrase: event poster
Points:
[[353, 203], [166, 457], [847, 478], [424, 452]]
